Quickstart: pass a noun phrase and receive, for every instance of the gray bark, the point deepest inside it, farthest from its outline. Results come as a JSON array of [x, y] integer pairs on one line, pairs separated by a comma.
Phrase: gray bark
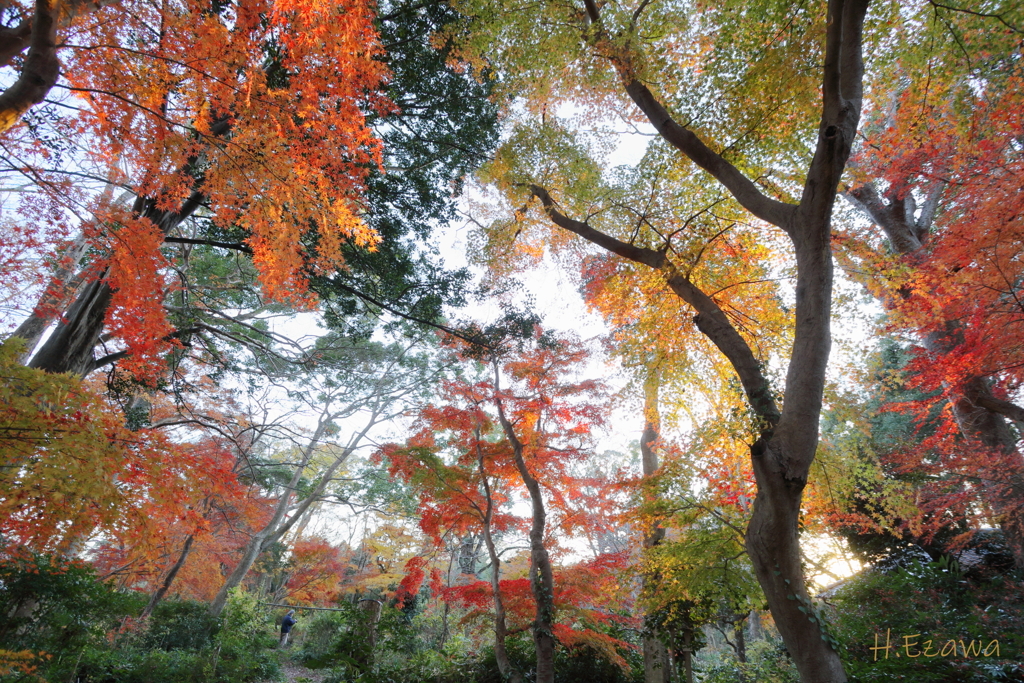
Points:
[[64, 283], [70, 347], [754, 627], [278, 526]]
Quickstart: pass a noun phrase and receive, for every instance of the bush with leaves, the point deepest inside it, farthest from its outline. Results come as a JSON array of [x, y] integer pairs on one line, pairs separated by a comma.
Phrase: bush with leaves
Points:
[[180, 625], [931, 613], [139, 665], [58, 607], [245, 640], [182, 644], [767, 662]]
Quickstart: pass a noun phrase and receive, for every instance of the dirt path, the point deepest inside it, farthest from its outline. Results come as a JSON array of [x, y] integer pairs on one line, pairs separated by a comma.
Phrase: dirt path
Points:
[[296, 673]]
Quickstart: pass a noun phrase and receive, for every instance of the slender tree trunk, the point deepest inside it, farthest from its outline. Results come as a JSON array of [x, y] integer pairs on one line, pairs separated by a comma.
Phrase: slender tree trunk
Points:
[[505, 668], [541, 578], [741, 643], [278, 526], [252, 550], [169, 578], [687, 654], [262, 539], [657, 668], [443, 640], [782, 459]]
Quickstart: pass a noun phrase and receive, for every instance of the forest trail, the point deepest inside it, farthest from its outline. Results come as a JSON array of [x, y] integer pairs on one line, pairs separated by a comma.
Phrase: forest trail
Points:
[[296, 673]]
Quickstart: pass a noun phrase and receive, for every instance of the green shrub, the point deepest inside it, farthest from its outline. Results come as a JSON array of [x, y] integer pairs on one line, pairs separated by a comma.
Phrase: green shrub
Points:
[[767, 662], [340, 640], [180, 625], [137, 665], [923, 602], [58, 607], [245, 641]]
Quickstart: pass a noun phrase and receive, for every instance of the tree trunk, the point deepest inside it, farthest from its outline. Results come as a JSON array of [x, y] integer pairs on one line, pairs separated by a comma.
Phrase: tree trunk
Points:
[[278, 526], [754, 620], [657, 668], [40, 70], [273, 530], [371, 608], [687, 654], [1003, 479], [169, 578], [774, 550], [783, 454], [252, 550], [741, 651], [505, 668], [741, 643], [59, 293], [541, 579], [70, 347]]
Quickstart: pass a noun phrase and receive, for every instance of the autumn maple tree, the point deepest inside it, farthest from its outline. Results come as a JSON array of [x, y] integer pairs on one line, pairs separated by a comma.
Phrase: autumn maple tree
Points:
[[939, 178], [234, 113], [519, 428]]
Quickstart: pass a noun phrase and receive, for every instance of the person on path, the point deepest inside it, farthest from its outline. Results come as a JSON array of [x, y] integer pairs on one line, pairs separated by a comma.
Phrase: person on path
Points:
[[286, 627]]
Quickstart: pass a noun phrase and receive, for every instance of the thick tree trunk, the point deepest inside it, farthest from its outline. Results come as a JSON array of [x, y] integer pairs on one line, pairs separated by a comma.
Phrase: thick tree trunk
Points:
[[782, 456], [40, 70], [1003, 476], [542, 581], [371, 610], [774, 549], [59, 293], [70, 347], [657, 667]]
